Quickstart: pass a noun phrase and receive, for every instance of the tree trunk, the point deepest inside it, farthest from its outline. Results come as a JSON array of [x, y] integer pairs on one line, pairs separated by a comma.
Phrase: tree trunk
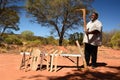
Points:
[[60, 41], [3, 31]]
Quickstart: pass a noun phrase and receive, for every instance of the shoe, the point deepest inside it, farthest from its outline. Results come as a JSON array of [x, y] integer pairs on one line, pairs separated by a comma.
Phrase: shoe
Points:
[[93, 66], [88, 64]]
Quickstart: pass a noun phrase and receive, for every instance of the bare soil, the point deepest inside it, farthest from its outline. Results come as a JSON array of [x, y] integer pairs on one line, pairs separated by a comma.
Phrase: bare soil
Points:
[[108, 68]]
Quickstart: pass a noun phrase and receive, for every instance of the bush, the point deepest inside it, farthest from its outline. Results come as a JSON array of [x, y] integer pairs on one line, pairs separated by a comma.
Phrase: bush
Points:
[[12, 39], [52, 41], [28, 35], [35, 43], [115, 40]]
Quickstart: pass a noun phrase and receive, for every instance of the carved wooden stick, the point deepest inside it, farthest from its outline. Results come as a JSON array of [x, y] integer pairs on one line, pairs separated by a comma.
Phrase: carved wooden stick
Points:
[[85, 29], [84, 17]]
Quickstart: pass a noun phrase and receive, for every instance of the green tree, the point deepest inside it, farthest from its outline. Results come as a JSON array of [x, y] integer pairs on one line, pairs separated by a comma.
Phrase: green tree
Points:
[[59, 15], [27, 35]]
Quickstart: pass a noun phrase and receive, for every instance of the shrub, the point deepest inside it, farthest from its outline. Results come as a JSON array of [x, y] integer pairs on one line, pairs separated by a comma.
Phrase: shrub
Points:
[[12, 39], [115, 40]]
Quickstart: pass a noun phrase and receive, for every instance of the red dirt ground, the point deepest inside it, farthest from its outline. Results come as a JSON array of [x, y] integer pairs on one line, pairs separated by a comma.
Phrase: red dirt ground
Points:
[[108, 68]]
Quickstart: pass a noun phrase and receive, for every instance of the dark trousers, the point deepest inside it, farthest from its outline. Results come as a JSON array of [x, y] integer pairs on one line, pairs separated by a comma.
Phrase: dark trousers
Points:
[[91, 53]]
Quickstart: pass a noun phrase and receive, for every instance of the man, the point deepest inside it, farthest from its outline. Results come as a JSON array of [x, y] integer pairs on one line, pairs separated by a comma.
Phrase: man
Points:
[[92, 39]]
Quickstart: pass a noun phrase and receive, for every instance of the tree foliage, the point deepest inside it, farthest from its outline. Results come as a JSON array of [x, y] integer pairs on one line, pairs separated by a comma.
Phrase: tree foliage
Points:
[[13, 39], [9, 17], [59, 15]]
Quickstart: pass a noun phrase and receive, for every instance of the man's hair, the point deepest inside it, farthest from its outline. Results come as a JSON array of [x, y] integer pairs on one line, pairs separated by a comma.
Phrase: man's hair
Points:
[[96, 14]]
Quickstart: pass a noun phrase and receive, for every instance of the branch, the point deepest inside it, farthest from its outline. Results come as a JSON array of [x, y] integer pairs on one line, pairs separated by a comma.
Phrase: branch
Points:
[[55, 26]]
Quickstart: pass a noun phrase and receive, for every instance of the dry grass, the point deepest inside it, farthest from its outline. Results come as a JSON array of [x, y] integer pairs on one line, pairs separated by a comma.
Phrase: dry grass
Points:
[[46, 48]]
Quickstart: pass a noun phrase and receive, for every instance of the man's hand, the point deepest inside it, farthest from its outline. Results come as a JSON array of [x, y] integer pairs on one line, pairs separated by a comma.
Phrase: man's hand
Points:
[[87, 32]]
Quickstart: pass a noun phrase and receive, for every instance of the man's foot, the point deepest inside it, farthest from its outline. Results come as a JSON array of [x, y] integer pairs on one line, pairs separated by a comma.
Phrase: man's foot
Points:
[[93, 66]]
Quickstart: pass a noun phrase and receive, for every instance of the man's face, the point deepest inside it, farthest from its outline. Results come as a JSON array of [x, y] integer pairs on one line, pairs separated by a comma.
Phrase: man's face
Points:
[[93, 17]]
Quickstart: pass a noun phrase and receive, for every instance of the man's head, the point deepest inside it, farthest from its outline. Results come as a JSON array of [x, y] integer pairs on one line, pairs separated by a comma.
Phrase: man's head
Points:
[[94, 16]]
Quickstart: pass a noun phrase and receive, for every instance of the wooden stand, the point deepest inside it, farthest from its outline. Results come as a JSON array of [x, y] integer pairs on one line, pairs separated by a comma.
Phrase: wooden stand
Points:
[[26, 56], [54, 59], [35, 59]]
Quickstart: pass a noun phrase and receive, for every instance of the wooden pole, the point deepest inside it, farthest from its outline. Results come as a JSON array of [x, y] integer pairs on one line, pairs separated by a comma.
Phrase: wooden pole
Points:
[[84, 20]]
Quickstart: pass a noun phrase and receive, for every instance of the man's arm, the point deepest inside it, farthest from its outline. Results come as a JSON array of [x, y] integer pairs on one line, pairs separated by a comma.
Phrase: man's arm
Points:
[[92, 32]]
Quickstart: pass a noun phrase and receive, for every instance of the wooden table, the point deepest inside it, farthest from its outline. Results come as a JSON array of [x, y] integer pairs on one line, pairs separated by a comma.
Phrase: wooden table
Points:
[[54, 59]]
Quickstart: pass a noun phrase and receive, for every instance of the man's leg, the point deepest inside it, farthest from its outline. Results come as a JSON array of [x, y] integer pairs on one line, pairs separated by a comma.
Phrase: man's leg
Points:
[[87, 53], [94, 55]]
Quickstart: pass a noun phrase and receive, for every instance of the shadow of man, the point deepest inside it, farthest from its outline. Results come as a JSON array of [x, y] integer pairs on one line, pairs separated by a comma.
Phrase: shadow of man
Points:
[[100, 64]]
